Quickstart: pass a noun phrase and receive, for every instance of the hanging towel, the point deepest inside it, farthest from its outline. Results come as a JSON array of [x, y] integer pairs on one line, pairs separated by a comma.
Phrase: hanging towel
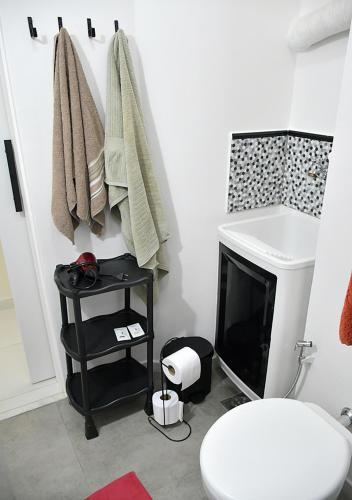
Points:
[[78, 191], [129, 171], [346, 317]]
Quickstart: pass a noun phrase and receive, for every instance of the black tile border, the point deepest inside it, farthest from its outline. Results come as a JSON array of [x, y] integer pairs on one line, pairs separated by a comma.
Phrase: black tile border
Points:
[[276, 133], [250, 135], [309, 135]]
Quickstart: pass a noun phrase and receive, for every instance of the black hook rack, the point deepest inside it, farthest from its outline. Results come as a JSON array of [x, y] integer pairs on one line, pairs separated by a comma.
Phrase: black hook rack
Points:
[[91, 30], [32, 30]]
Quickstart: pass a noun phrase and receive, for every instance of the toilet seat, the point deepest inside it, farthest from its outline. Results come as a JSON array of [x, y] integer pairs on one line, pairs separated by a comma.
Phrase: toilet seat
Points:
[[273, 449]]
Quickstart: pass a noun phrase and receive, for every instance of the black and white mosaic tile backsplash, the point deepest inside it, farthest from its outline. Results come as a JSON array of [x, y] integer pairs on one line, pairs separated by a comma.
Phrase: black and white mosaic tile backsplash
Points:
[[285, 167]]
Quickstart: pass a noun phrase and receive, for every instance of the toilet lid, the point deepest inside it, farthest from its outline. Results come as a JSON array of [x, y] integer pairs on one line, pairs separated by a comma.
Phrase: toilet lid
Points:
[[273, 449]]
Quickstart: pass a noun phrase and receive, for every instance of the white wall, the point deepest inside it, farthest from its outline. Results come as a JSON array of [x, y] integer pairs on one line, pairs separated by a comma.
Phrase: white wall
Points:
[[206, 68], [317, 81], [318, 97], [328, 382]]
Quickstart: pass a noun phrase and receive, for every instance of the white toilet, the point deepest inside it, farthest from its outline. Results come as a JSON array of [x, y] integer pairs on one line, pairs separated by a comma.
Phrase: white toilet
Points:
[[275, 449]]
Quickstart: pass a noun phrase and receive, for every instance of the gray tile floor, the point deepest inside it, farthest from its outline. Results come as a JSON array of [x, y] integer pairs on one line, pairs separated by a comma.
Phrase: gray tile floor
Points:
[[45, 456]]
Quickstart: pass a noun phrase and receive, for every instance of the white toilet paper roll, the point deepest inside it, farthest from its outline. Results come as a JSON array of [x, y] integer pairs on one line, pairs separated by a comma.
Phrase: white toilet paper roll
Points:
[[173, 407], [182, 367]]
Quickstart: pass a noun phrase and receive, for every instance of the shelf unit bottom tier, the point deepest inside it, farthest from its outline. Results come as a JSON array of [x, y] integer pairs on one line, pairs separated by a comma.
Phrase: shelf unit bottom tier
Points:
[[108, 384]]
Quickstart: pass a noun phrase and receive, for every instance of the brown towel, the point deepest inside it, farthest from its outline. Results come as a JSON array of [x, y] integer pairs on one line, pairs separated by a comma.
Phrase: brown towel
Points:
[[346, 317], [78, 191]]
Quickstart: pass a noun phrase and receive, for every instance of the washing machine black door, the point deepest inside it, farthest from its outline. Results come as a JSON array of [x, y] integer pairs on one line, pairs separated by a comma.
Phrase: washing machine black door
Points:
[[246, 297]]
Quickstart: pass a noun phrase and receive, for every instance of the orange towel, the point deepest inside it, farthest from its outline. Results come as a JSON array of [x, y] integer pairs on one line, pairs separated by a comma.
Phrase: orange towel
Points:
[[346, 317]]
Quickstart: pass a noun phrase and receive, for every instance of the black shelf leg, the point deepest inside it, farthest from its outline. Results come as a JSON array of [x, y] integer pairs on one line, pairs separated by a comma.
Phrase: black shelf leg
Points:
[[148, 408], [90, 428], [128, 307], [63, 305], [127, 298], [64, 318], [69, 366]]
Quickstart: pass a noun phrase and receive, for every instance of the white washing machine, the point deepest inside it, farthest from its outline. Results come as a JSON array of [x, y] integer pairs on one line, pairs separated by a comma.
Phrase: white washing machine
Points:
[[266, 264]]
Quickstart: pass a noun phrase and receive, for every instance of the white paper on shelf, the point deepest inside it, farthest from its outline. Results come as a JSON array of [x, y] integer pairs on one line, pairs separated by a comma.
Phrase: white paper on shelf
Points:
[[122, 334], [136, 330]]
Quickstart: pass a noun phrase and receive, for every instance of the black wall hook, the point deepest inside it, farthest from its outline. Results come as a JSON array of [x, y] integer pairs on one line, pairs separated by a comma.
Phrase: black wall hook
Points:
[[59, 22], [116, 26], [32, 30], [91, 30]]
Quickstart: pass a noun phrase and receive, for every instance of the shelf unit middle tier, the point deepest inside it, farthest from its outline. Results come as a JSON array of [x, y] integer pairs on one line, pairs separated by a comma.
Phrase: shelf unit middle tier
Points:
[[99, 335]]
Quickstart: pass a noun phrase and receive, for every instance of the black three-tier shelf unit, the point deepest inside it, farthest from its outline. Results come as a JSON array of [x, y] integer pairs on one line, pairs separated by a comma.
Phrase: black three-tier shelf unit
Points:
[[95, 389]]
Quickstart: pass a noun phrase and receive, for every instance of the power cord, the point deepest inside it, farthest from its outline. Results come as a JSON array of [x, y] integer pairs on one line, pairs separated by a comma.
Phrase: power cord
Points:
[[152, 420]]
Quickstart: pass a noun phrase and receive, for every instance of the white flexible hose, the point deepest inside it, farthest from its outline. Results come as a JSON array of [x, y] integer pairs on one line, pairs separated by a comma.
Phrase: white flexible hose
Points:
[[294, 383], [332, 18], [301, 359]]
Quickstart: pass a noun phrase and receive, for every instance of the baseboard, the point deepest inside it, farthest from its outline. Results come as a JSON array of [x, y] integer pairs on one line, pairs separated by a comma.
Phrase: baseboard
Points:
[[42, 394], [347, 488], [238, 382], [6, 303]]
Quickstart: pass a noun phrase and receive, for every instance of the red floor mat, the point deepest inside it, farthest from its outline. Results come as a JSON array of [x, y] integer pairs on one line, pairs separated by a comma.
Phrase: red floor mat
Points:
[[127, 487]]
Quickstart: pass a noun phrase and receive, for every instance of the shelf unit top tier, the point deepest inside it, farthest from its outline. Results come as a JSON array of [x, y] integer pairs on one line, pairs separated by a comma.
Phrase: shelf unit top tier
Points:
[[108, 281]]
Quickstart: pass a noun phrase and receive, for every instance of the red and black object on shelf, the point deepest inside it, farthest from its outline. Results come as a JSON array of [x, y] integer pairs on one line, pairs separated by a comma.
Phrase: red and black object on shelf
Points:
[[84, 271]]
